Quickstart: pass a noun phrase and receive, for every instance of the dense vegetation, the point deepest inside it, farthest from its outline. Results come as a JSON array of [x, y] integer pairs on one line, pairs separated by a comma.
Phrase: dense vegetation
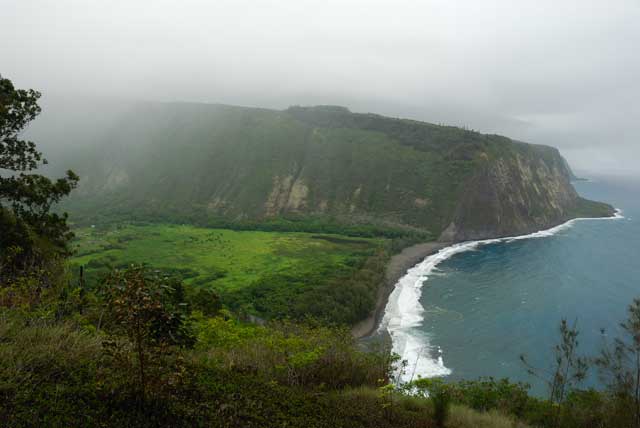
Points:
[[314, 169], [58, 374], [135, 353], [265, 274]]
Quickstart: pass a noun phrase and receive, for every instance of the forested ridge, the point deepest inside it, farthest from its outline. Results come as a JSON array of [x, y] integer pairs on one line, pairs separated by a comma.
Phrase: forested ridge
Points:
[[314, 169]]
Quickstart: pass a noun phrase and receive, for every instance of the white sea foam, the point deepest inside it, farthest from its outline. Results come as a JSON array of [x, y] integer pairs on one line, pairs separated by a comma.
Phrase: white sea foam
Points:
[[404, 314]]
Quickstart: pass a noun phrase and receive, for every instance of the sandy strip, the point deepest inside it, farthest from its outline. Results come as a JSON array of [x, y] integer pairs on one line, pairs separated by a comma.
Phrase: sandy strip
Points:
[[396, 268]]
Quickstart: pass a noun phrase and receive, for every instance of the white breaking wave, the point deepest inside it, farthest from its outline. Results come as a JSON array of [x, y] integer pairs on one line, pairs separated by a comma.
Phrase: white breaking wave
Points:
[[404, 314]]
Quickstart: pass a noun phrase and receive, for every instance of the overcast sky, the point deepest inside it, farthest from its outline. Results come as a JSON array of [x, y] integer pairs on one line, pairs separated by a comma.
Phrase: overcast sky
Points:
[[558, 72]]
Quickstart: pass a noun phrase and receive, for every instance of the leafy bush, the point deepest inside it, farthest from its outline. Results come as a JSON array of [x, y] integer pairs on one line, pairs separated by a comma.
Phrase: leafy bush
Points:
[[440, 395], [489, 394]]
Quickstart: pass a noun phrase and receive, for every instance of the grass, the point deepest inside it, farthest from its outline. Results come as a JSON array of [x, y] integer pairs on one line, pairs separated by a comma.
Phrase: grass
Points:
[[408, 410], [464, 417], [264, 273], [223, 259]]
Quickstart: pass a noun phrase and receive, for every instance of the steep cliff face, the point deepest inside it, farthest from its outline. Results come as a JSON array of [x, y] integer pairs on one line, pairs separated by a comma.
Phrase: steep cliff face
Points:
[[519, 191], [216, 164]]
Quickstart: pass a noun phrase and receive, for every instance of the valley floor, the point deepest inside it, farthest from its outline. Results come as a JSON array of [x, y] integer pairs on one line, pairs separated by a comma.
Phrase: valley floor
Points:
[[265, 274]]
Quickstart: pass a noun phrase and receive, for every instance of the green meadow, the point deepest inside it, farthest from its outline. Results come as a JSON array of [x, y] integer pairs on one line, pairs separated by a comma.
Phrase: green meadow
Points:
[[271, 274]]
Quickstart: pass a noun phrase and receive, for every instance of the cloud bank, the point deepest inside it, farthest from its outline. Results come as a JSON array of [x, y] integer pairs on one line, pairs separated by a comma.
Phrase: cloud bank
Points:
[[562, 73]]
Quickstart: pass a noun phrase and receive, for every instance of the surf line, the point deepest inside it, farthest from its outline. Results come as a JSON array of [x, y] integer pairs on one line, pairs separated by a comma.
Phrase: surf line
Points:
[[404, 313]]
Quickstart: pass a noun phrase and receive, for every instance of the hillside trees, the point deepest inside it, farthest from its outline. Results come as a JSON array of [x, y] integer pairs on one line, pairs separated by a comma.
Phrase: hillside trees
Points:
[[33, 238]]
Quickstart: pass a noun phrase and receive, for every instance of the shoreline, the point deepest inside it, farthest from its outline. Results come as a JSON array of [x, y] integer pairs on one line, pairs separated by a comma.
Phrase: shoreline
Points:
[[405, 315], [397, 267], [409, 257]]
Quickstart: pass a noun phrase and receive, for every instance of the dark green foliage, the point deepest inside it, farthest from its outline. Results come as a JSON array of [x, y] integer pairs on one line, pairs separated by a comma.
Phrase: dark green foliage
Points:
[[588, 408], [148, 306], [587, 208], [204, 300], [488, 394], [33, 238], [18, 107], [619, 365], [419, 135], [329, 297], [55, 375], [440, 394], [59, 375], [316, 170]]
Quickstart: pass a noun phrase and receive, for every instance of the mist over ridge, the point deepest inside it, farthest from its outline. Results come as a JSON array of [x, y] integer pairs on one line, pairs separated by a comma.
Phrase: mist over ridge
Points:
[[547, 73]]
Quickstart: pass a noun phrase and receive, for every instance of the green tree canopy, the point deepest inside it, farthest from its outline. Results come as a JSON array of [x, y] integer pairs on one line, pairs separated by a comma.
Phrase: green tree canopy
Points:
[[32, 236]]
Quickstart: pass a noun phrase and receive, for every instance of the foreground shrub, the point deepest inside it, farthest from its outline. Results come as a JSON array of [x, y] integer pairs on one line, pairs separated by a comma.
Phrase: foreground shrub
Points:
[[440, 395], [487, 394]]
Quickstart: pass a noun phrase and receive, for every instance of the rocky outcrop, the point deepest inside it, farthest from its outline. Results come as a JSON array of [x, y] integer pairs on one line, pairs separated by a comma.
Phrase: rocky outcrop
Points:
[[287, 195], [517, 193]]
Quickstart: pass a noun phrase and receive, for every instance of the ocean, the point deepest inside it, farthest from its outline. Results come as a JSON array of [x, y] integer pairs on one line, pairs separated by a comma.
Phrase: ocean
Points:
[[471, 310]]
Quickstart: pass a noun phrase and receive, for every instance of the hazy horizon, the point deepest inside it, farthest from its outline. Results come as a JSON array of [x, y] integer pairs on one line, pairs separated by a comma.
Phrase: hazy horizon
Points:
[[541, 72]]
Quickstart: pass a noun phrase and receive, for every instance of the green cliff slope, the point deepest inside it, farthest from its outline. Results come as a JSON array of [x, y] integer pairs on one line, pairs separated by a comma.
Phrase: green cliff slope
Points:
[[309, 167]]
